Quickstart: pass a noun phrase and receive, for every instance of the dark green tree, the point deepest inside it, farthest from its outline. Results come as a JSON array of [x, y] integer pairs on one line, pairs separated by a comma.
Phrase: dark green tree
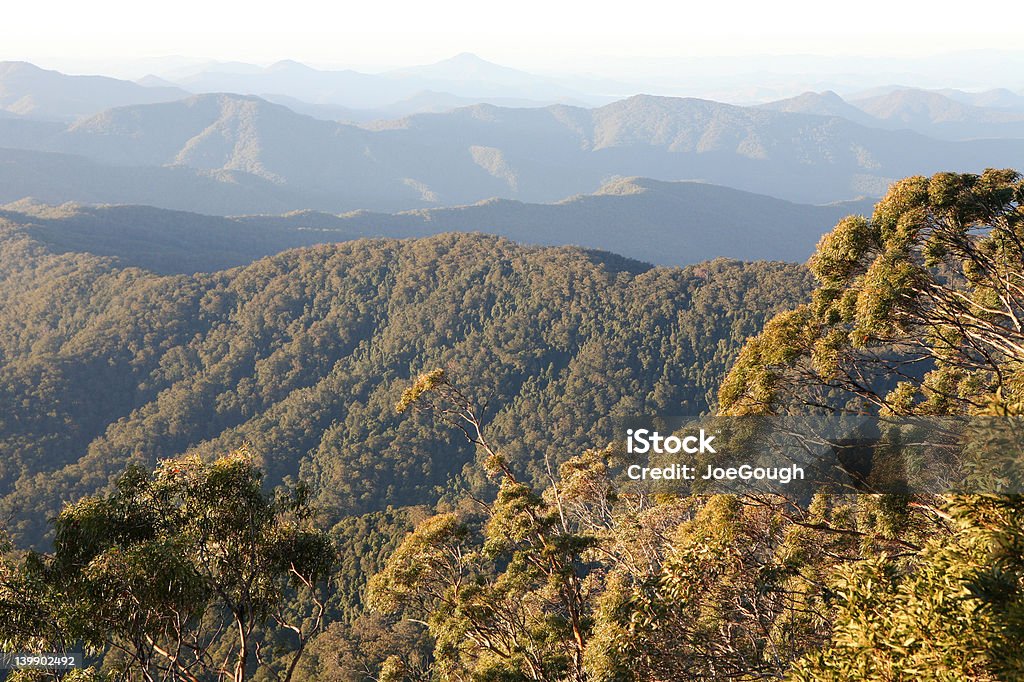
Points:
[[191, 571]]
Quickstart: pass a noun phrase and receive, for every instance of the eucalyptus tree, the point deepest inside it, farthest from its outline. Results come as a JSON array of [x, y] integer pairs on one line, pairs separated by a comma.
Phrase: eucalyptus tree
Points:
[[191, 571]]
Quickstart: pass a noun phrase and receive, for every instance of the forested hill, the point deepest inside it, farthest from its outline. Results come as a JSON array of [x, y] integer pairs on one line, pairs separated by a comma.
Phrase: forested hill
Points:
[[304, 354]]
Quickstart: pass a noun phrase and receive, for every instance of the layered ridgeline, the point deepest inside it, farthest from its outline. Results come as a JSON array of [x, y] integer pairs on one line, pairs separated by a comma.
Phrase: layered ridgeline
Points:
[[29, 91], [304, 354], [951, 115], [656, 222], [215, 153]]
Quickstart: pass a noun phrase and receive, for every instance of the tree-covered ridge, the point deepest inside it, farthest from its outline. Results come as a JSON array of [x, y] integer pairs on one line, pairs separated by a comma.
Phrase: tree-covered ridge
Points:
[[303, 354], [536, 565], [917, 311]]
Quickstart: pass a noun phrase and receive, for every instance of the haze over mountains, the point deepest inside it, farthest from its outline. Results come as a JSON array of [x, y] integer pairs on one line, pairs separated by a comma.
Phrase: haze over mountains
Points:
[[222, 146], [540, 163], [27, 90], [464, 76], [738, 79], [948, 115]]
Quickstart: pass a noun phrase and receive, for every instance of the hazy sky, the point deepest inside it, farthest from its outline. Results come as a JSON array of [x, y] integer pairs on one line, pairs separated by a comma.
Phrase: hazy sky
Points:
[[535, 34]]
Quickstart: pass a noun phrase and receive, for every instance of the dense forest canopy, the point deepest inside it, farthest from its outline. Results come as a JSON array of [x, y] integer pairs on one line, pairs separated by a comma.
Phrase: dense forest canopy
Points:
[[302, 355], [310, 374], [577, 580], [443, 406]]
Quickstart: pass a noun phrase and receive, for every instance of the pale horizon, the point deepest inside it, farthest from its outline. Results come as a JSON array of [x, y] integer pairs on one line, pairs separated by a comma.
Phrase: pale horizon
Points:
[[116, 38]]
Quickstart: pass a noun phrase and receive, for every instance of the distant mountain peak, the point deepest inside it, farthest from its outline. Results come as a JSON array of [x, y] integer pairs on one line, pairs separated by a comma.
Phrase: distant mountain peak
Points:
[[154, 81], [467, 58], [289, 65], [825, 103], [916, 105], [466, 66], [830, 96], [625, 186], [28, 90], [16, 67]]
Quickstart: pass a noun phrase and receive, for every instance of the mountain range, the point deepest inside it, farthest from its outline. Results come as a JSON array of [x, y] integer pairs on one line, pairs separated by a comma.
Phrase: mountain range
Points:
[[463, 77], [462, 80], [648, 220], [229, 145], [27, 90], [739, 80], [947, 115]]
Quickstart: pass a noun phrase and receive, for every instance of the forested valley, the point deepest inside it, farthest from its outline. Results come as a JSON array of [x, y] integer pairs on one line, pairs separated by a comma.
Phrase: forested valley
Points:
[[390, 459]]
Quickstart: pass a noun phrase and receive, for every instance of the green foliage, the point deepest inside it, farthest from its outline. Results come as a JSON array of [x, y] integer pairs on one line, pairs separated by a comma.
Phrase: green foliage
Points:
[[163, 567], [364, 543], [917, 312], [508, 605], [581, 581], [512, 603], [959, 615], [303, 355], [544, 570], [361, 650]]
